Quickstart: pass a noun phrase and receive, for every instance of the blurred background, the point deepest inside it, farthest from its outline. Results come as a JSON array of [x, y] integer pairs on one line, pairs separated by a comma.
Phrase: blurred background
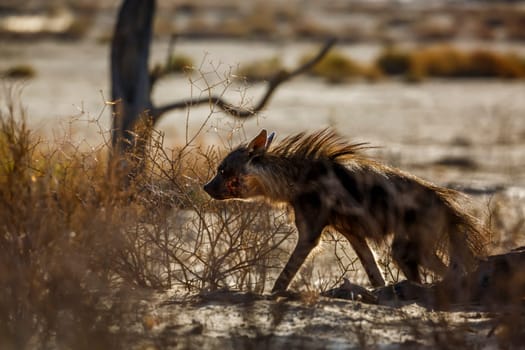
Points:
[[437, 85]]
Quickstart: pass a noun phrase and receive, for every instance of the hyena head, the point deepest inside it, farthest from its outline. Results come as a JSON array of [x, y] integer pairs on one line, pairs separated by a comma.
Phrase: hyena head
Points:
[[235, 176]]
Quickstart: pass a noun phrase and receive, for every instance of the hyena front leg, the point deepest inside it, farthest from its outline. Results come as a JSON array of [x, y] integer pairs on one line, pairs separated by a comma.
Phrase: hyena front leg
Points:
[[299, 255], [310, 220], [367, 259]]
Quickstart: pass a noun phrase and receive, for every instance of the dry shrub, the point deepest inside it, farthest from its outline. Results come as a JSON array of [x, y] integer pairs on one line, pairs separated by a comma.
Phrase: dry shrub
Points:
[[175, 64], [427, 62], [20, 71], [260, 70], [437, 61], [58, 239], [336, 67], [195, 243], [77, 244], [393, 61], [179, 63], [444, 61], [484, 63]]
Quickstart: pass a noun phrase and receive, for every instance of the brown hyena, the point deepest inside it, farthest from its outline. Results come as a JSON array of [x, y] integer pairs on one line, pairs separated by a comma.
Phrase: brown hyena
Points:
[[328, 182]]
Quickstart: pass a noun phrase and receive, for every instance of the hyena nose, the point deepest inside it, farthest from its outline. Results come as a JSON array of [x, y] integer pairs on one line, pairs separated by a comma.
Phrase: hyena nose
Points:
[[207, 187]]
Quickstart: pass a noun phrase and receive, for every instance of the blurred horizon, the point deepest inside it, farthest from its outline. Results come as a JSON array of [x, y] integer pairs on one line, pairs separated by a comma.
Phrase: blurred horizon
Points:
[[385, 21], [423, 79]]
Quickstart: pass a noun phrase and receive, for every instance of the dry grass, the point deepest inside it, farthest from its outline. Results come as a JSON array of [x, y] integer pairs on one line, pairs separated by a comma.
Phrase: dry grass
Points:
[[260, 70], [393, 61], [337, 67], [438, 61], [175, 64], [444, 61], [179, 64], [20, 71], [73, 239], [449, 62], [57, 255]]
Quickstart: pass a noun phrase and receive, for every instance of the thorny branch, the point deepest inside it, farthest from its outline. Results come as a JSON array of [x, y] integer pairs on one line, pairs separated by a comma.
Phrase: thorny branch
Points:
[[279, 78]]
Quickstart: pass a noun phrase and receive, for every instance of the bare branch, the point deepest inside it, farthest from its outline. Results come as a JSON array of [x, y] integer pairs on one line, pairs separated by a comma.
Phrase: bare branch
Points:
[[159, 71], [279, 78]]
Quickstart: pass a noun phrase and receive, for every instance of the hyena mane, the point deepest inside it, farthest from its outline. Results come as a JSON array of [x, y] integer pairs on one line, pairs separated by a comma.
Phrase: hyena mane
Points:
[[330, 183]]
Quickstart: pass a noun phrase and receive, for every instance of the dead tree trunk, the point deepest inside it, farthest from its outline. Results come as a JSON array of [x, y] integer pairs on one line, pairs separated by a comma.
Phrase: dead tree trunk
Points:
[[134, 114], [130, 83]]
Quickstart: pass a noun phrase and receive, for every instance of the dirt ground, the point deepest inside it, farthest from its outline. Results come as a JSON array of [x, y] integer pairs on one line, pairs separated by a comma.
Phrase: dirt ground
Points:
[[469, 134], [229, 320]]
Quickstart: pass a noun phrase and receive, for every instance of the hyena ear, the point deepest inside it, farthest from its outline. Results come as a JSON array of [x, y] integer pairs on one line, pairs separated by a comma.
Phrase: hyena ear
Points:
[[269, 140], [258, 144]]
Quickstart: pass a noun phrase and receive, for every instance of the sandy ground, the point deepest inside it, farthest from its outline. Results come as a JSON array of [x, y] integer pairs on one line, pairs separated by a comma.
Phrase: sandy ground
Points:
[[470, 133], [241, 321]]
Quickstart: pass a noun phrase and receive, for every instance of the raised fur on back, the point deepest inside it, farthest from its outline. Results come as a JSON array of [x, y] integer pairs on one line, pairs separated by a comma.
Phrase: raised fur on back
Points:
[[330, 183], [324, 144]]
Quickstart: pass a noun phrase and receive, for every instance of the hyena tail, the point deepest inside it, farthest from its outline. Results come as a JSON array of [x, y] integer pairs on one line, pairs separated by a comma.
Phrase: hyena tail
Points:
[[467, 243]]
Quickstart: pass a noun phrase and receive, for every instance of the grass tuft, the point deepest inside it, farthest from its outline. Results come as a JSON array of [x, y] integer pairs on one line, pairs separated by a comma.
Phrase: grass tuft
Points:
[[393, 61], [336, 67], [444, 61], [179, 64], [20, 71], [260, 70]]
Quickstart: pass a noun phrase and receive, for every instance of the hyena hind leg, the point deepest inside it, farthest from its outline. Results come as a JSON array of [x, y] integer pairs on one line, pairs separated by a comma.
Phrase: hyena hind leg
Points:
[[406, 256], [432, 262], [367, 259]]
